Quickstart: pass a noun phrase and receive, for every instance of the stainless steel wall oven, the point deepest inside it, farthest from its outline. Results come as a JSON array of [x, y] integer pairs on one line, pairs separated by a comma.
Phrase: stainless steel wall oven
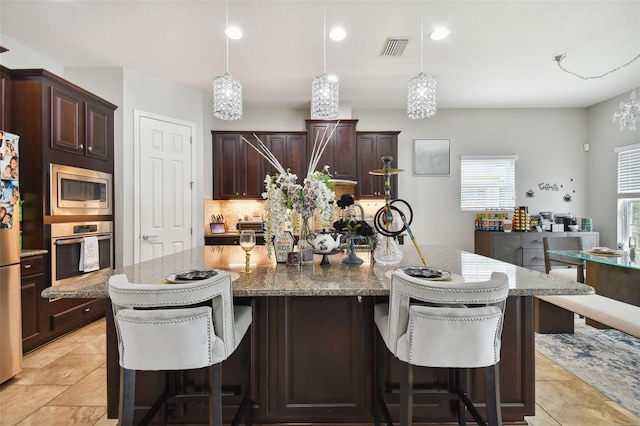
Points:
[[66, 247]]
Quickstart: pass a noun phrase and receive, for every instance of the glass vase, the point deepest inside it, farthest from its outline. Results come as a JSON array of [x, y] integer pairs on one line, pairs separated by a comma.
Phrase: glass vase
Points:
[[387, 251], [304, 246]]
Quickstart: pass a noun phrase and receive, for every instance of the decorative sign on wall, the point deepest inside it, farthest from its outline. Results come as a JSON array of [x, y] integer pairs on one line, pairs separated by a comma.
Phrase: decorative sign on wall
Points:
[[548, 187], [431, 157]]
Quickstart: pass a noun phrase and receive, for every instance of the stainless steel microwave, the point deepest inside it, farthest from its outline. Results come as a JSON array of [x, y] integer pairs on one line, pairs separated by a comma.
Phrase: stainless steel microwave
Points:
[[76, 191]]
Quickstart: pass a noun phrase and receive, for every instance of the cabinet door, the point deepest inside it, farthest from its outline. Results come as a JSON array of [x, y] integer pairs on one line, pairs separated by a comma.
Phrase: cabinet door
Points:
[[371, 148], [225, 169], [340, 152], [507, 247], [97, 131], [67, 121], [251, 172], [297, 159]]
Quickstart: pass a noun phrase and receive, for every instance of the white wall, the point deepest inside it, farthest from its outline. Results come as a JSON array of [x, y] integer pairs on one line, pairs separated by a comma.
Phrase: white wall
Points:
[[602, 165]]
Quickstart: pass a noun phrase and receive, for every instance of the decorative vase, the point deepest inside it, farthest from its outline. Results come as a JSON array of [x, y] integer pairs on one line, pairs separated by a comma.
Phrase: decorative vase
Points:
[[304, 246], [387, 251]]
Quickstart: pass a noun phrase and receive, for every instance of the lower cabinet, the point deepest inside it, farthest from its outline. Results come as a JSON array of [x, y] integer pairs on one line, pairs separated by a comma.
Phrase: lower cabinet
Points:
[[313, 358], [44, 320], [524, 248], [34, 318]]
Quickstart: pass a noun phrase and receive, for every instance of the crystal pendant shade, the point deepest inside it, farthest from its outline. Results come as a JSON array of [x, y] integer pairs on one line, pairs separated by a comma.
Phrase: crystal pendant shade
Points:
[[227, 97], [421, 99], [628, 114], [325, 97]]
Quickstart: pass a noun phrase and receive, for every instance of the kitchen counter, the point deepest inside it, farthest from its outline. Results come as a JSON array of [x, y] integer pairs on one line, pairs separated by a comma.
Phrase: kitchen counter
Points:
[[32, 252], [338, 279], [312, 335]]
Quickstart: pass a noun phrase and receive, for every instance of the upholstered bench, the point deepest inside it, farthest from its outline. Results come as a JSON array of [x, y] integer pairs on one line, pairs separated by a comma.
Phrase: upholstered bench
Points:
[[613, 313]]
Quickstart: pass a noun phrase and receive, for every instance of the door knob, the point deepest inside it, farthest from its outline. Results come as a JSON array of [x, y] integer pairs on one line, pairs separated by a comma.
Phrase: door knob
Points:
[[150, 236]]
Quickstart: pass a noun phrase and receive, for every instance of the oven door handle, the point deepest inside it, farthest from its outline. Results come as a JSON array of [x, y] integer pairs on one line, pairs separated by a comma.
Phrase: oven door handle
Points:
[[63, 242]]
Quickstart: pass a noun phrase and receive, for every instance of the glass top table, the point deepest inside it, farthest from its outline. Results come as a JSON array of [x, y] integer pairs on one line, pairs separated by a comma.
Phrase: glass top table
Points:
[[621, 259]]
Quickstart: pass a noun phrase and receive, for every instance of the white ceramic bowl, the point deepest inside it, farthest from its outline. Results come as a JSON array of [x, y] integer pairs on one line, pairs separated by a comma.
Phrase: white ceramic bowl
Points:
[[573, 228]]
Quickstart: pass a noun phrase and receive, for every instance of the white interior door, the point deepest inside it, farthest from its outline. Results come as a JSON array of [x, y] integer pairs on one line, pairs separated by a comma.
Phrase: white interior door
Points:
[[166, 187]]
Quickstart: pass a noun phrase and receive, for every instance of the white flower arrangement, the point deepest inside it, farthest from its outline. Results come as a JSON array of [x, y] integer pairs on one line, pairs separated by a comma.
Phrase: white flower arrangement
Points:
[[287, 200]]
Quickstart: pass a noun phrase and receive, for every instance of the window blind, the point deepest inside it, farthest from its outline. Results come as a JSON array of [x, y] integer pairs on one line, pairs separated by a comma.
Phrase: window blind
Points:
[[488, 182], [629, 172]]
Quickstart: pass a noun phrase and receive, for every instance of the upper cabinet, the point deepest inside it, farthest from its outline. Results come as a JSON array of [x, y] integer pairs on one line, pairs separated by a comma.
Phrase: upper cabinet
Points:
[[239, 171], [75, 127], [5, 98], [372, 146], [237, 168], [78, 125], [340, 152]]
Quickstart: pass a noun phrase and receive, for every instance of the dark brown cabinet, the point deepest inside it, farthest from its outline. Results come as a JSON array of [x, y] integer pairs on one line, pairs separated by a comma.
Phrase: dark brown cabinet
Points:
[[5, 99], [340, 153], [34, 317], [79, 126], [371, 148], [291, 151], [238, 168], [60, 123]]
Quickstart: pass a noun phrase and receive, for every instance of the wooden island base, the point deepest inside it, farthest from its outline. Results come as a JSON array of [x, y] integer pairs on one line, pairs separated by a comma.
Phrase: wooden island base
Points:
[[312, 360]]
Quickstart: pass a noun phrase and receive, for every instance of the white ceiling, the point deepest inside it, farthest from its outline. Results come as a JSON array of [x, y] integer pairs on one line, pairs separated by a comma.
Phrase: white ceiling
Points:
[[499, 53]]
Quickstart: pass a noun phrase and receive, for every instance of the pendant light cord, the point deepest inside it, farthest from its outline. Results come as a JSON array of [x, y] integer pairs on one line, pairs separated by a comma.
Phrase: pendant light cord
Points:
[[559, 58], [226, 33], [324, 37], [421, 42]]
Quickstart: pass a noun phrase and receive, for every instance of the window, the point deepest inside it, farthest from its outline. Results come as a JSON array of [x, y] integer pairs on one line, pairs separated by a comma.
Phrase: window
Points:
[[488, 182], [628, 192]]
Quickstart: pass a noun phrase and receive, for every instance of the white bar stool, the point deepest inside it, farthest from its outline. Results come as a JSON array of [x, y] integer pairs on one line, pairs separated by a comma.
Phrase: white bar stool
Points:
[[163, 327], [440, 324]]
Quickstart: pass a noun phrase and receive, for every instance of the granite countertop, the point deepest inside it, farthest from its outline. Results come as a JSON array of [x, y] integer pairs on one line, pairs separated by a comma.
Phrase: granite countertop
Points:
[[33, 252], [338, 279]]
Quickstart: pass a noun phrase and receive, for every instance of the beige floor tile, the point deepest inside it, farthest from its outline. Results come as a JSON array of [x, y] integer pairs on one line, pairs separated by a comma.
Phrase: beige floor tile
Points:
[[19, 401], [89, 391], [66, 370], [542, 418], [48, 353], [104, 421], [95, 345], [88, 332], [64, 416], [573, 403], [548, 370]]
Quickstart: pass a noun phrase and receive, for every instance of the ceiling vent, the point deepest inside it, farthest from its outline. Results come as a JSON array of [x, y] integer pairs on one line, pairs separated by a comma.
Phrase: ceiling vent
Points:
[[394, 46]]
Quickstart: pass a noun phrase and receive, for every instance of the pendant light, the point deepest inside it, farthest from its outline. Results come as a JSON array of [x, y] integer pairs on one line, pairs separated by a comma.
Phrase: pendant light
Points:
[[324, 88], [227, 91], [421, 99]]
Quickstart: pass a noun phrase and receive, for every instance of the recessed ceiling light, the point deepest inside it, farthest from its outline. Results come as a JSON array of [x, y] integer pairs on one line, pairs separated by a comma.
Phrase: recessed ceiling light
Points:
[[439, 33], [337, 34], [233, 33]]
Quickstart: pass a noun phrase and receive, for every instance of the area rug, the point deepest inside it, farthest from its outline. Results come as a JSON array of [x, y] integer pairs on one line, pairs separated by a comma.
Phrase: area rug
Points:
[[608, 360]]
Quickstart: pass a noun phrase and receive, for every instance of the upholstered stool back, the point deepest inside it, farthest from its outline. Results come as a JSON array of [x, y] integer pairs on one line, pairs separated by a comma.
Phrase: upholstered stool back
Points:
[[181, 326], [443, 324]]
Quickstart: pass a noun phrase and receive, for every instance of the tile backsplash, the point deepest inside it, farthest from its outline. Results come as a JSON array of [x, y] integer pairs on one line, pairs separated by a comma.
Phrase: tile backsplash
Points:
[[234, 210]]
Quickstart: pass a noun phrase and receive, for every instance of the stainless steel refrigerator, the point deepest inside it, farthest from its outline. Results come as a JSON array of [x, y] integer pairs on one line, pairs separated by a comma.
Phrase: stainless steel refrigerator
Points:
[[10, 302]]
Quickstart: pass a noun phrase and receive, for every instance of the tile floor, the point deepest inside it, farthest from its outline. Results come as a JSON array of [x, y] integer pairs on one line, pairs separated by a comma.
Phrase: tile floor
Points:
[[64, 383]]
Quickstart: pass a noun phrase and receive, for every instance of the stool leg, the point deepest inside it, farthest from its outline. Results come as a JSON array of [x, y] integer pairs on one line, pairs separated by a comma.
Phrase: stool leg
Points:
[[461, 385], [406, 394], [215, 395], [127, 396], [492, 395], [380, 405]]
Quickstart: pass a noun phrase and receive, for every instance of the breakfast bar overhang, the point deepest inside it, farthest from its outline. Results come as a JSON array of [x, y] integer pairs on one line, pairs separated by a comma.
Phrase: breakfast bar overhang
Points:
[[312, 341]]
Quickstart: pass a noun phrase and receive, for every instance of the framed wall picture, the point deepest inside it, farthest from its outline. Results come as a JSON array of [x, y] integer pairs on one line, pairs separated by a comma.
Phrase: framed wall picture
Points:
[[431, 157]]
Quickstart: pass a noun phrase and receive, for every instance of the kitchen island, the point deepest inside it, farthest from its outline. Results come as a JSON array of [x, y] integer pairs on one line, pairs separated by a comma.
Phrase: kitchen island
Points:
[[313, 332]]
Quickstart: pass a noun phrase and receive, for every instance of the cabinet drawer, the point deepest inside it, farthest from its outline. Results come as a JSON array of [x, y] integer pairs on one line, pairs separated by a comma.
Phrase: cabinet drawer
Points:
[[91, 309], [534, 240], [532, 257], [32, 265]]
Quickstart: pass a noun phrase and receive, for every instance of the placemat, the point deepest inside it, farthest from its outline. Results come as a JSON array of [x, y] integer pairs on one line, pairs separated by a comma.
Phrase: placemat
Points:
[[455, 278]]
